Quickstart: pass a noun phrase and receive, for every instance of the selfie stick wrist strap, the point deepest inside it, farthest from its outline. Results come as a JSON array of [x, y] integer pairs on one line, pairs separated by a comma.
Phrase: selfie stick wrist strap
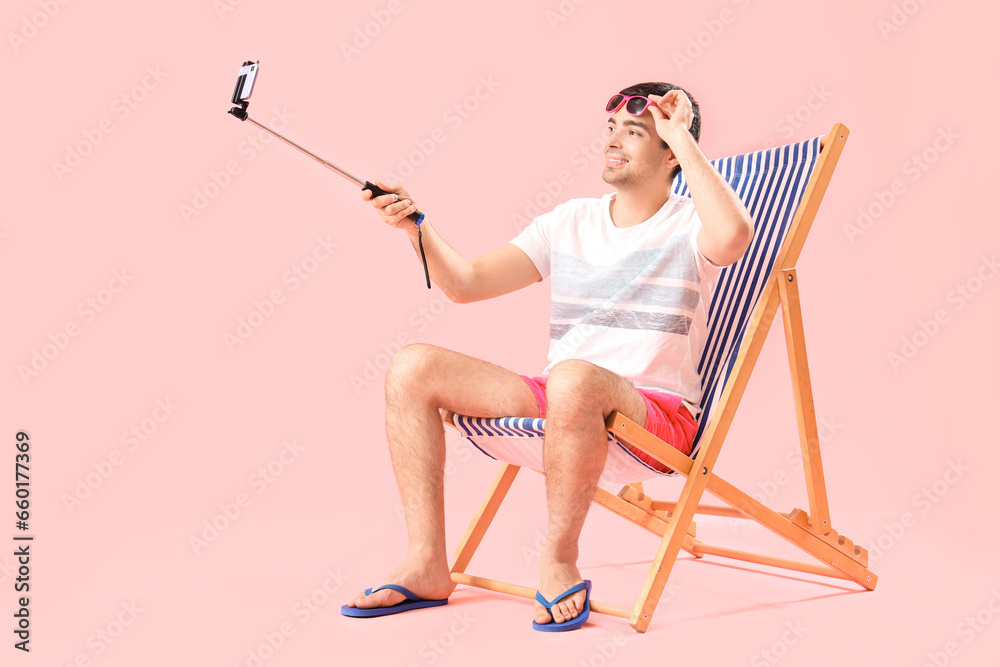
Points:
[[420, 242]]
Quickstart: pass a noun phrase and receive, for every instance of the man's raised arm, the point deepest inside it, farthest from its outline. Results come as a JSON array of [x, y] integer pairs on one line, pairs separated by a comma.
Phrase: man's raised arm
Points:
[[501, 271], [727, 227]]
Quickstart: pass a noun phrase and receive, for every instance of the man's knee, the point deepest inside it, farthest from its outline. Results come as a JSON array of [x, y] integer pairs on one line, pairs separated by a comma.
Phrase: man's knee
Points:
[[578, 385], [410, 364], [577, 379], [575, 371]]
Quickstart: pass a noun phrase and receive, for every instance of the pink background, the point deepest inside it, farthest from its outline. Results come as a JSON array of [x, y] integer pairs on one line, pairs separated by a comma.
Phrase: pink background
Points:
[[82, 80]]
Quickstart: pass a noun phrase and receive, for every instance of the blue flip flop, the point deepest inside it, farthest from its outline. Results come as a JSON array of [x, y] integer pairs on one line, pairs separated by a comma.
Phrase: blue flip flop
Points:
[[565, 625], [412, 601]]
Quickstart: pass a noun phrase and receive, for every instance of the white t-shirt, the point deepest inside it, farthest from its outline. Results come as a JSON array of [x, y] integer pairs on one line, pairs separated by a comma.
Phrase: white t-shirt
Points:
[[632, 300]]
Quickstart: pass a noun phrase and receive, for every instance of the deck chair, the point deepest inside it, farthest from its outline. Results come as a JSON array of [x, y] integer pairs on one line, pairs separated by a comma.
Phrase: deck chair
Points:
[[782, 188]]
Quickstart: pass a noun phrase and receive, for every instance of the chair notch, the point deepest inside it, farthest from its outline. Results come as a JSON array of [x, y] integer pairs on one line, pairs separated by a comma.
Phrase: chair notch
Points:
[[641, 501], [839, 542]]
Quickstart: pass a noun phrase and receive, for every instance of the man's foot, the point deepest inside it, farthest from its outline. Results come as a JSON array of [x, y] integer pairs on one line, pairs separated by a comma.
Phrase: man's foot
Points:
[[554, 579], [431, 581]]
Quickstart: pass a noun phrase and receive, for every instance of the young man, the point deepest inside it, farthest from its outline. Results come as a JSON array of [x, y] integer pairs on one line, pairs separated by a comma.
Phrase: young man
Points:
[[632, 278]]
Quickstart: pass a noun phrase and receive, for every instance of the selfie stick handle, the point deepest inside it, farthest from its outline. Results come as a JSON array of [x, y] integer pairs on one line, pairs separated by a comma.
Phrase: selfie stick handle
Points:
[[417, 218], [376, 191]]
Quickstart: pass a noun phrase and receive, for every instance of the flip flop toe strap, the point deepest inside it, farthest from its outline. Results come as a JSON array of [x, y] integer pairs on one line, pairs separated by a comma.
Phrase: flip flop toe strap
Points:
[[548, 605], [410, 595]]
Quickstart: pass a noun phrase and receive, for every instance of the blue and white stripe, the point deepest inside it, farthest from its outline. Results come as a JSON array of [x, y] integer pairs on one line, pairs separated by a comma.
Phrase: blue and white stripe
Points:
[[771, 184]]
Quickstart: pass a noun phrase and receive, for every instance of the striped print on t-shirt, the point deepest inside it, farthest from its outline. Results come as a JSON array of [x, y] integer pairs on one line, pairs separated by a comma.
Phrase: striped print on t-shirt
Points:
[[633, 300]]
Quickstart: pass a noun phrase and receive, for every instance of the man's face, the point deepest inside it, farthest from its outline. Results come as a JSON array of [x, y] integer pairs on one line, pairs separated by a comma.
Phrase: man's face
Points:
[[634, 156]]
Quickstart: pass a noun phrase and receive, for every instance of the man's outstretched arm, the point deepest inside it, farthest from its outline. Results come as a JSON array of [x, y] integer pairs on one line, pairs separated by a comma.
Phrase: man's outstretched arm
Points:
[[501, 271], [726, 224]]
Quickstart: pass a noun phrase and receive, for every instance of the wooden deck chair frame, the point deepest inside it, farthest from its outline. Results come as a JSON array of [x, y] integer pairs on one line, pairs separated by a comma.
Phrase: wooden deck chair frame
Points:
[[673, 521]]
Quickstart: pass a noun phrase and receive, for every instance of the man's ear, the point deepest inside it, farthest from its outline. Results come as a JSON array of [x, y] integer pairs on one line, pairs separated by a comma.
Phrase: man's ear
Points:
[[671, 159]]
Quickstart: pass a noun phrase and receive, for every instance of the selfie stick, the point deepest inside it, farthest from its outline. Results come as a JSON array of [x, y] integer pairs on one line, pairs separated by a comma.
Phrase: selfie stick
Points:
[[241, 97]]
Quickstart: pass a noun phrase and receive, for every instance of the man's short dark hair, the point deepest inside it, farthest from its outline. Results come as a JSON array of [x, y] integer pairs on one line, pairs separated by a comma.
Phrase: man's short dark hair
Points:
[[660, 88]]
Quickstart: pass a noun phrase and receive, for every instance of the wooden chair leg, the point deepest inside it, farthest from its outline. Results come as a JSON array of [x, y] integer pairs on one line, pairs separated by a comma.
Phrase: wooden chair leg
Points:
[[481, 521], [805, 411], [670, 546]]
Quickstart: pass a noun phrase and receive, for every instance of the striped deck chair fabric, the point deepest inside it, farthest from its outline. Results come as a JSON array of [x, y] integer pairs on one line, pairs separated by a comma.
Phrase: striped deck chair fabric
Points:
[[771, 184]]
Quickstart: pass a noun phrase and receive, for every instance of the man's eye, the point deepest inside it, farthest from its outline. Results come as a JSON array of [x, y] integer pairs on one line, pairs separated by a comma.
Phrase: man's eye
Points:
[[633, 132]]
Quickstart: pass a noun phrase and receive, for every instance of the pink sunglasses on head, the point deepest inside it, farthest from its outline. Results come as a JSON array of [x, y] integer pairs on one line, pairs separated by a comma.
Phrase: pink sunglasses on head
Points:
[[634, 104]]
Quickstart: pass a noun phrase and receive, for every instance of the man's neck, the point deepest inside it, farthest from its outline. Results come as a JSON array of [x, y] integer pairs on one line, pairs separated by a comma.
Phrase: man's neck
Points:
[[629, 209]]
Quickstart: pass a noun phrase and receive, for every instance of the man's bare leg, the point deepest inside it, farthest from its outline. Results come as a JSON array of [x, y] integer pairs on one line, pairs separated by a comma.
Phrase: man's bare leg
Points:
[[580, 395], [421, 380]]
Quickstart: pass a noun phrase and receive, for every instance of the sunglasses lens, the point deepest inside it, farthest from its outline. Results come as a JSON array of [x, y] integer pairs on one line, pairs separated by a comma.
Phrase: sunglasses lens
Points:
[[614, 103], [637, 105]]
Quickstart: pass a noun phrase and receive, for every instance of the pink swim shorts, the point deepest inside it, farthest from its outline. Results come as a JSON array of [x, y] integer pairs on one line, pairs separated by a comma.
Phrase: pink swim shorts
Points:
[[666, 418]]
